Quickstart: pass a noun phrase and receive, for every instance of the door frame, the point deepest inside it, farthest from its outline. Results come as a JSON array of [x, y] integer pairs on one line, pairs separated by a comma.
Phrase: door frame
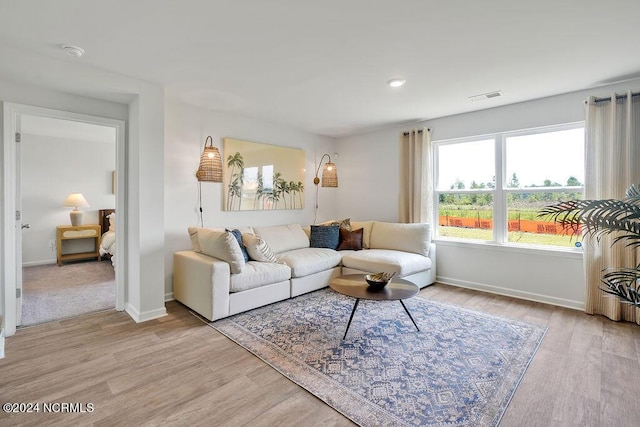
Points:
[[11, 112]]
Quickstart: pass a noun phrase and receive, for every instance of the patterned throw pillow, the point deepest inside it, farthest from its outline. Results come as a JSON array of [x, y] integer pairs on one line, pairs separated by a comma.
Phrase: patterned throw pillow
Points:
[[236, 233], [258, 249], [325, 236], [350, 240]]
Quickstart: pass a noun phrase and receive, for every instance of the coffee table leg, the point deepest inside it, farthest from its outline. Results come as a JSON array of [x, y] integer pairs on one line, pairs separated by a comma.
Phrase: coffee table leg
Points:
[[351, 318], [410, 317]]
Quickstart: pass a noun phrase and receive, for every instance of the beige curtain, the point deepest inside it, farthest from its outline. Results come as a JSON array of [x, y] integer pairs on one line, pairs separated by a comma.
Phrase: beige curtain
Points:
[[416, 182], [612, 164]]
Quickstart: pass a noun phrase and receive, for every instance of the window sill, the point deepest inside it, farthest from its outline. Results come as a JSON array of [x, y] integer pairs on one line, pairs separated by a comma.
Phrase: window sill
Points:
[[554, 251]]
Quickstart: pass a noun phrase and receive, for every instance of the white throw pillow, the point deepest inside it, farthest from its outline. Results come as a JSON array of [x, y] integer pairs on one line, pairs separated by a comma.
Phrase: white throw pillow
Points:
[[193, 235], [258, 249], [222, 245]]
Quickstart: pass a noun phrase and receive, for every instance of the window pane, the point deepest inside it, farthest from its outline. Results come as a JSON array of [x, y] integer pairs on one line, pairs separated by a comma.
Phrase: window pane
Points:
[[468, 216], [524, 226], [550, 159], [466, 165]]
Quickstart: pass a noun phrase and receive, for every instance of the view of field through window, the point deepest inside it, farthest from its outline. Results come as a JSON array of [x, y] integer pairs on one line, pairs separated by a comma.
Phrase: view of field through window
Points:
[[539, 169]]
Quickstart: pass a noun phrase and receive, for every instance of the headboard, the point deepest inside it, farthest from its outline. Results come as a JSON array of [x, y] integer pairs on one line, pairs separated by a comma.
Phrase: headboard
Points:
[[103, 218]]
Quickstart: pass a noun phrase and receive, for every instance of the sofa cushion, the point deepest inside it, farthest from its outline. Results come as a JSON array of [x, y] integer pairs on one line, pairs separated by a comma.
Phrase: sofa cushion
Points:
[[256, 274], [306, 261], [257, 248], [366, 231], [324, 236], [385, 260], [283, 238], [350, 240], [413, 238], [222, 245]]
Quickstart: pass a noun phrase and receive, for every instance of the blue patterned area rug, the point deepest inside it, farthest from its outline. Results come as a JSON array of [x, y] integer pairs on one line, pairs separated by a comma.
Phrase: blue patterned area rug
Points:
[[461, 369]]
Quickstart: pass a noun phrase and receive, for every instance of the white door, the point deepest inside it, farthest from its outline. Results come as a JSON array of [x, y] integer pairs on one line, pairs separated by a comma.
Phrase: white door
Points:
[[19, 223]]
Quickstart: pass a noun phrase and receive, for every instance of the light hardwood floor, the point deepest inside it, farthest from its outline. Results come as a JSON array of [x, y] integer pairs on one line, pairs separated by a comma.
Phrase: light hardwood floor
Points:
[[178, 371]]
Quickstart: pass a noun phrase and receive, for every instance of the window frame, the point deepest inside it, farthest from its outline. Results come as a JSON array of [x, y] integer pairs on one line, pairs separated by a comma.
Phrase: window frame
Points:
[[500, 191]]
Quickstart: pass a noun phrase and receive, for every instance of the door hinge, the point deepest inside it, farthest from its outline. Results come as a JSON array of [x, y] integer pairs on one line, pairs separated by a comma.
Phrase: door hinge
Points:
[[18, 216], [18, 292], [17, 136]]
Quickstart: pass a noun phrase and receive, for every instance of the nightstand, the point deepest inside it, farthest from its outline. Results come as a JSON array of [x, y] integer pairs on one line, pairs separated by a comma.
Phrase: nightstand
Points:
[[75, 232]]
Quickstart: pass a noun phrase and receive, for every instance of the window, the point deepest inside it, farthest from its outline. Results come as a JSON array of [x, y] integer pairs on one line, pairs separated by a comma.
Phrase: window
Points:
[[492, 188]]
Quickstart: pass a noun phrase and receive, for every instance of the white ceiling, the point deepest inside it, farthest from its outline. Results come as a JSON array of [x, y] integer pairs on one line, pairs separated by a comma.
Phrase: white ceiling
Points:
[[323, 66]]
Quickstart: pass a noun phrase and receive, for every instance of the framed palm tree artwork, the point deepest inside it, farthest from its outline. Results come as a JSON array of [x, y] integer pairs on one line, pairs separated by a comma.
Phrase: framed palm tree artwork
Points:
[[262, 176]]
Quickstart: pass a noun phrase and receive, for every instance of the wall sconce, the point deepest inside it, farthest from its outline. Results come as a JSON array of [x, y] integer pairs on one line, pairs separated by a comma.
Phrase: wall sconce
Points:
[[210, 169], [75, 200], [329, 173]]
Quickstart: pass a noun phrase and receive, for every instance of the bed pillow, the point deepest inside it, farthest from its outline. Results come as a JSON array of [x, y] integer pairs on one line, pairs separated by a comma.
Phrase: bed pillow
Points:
[[325, 236], [222, 245], [350, 240], [257, 248], [112, 221]]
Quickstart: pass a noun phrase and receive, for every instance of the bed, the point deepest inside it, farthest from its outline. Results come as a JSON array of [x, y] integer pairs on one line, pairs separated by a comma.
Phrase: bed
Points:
[[107, 218]]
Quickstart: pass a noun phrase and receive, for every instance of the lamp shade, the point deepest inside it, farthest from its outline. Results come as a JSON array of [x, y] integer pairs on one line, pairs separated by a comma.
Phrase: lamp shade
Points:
[[75, 200], [210, 168], [329, 175]]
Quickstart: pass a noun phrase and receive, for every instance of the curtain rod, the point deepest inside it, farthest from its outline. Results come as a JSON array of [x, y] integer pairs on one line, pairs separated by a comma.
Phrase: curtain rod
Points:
[[608, 98], [419, 131]]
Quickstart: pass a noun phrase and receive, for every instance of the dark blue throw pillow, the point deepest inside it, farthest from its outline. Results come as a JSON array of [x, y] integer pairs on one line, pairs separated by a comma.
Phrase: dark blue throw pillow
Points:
[[236, 233], [325, 236]]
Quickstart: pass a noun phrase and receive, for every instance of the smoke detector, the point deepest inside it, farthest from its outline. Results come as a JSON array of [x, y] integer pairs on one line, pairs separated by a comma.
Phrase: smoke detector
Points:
[[488, 95], [74, 51]]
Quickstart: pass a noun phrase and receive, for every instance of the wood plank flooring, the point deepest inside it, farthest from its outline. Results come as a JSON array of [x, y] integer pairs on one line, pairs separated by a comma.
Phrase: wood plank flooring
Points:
[[178, 371]]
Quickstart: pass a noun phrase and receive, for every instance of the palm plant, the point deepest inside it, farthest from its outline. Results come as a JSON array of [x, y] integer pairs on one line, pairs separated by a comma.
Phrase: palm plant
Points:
[[597, 218]]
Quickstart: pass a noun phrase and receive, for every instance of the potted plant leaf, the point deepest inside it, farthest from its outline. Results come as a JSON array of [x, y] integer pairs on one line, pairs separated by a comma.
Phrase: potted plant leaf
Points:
[[596, 218]]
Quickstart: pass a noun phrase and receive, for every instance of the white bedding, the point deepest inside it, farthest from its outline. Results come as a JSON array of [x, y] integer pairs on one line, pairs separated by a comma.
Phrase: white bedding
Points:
[[108, 245]]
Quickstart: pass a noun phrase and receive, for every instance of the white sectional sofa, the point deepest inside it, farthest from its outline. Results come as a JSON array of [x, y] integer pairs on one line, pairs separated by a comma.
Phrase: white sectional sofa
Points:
[[216, 280]]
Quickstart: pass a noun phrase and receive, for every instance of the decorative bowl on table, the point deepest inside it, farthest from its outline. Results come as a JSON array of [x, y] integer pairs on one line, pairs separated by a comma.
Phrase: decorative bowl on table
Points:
[[378, 281]]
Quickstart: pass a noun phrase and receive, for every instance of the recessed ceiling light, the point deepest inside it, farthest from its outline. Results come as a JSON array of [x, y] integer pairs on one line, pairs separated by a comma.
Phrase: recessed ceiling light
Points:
[[396, 82], [74, 51]]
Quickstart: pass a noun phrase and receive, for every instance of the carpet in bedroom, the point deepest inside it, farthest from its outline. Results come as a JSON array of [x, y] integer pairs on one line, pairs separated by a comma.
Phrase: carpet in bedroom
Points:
[[461, 369], [52, 293]]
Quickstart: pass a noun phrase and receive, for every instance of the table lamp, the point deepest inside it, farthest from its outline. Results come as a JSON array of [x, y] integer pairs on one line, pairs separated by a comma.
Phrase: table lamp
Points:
[[75, 200]]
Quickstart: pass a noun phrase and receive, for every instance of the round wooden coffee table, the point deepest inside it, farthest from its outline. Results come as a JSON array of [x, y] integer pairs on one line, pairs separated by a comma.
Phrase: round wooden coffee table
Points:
[[355, 286]]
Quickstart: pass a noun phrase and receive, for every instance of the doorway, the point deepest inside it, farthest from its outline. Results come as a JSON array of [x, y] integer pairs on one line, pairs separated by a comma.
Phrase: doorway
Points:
[[62, 162], [12, 209]]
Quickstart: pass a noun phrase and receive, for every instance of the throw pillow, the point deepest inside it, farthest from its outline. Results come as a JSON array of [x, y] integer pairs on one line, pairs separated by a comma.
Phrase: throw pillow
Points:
[[325, 236], [193, 235], [222, 245], [236, 233], [350, 240], [258, 249]]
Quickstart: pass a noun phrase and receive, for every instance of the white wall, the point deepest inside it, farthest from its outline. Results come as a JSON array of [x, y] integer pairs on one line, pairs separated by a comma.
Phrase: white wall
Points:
[[86, 90], [369, 189], [186, 129], [51, 169]]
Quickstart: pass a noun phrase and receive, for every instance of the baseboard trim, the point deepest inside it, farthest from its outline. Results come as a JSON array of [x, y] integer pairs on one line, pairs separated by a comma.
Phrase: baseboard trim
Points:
[[145, 316], [168, 297], [529, 296], [37, 263]]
